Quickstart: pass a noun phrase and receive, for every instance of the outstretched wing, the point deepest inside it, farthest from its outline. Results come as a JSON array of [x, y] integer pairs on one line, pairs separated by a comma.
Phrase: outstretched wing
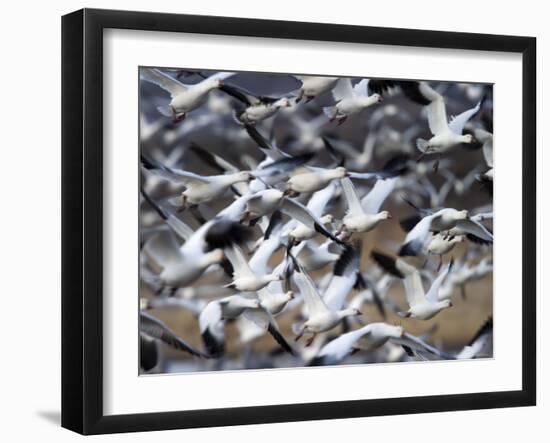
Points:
[[417, 237], [336, 350], [354, 205], [212, 328], [263, 319], [432, 294], [362, 88], [458, 122], [372, 202], [155, 328], [240, 265], [475, 228], [342, 90], [163, 80], [314, 303], [299, 212]]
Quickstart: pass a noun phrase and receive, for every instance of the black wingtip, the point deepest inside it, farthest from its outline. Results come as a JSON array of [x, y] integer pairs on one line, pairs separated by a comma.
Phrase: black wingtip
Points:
[[409, 249], [348, 255], [411, 90], [147, 162], [225, 233], [408, 223], [274, 221], [387, 263], [360, 283], [486, 328], [381, 86], [318, 361], [213, 347], [161, 212], [280, 339], [321, 230], [478, 240]]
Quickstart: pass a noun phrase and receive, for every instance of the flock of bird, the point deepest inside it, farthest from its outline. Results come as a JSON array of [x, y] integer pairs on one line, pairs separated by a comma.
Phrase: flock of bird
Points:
[[264, 202]]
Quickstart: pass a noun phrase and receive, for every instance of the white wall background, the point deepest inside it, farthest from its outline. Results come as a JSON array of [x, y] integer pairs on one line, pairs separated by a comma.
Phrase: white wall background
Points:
[[30, 218]]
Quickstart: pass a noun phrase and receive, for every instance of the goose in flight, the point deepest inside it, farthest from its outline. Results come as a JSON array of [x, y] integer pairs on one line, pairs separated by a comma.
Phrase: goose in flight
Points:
[[181, 265], [442, 243], [345, 276], [445, 134], [270, 200], [363, 215], [255, 108], [199, 188], [297, 231], [152, 331], [244, 279], [212, 320], [320, 317], [422, 305], [314, 86], [446, 219], [370, 337], [314, 179], [183, 98], [350, 100], [213, 316]]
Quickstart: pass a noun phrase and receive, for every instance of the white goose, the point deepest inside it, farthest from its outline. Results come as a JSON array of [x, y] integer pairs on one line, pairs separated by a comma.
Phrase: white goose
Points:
[[442, 220], [422, 306], [445, 135], [267, 201], [256, 108], [184, 98], [297, 231], [199, 188], [372, 336], [363, 215], [213, 316], [350, 100], [244, 279], [320, 317], [183, 265], [314, 179], [442, 243]]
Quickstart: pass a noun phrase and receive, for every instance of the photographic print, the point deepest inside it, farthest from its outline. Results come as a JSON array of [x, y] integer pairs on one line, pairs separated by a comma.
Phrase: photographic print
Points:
[[297, 220]]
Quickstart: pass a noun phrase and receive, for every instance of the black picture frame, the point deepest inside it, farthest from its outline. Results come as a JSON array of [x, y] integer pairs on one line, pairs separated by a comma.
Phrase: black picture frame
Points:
[[82, 220]]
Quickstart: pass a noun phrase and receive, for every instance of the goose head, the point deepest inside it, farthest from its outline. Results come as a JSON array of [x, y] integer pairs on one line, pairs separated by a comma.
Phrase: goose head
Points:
[[384, 215], [327, 219], [392, 331], [373, 99], [467, 138], [339, 172], [350, 312], [243, 176], [282, 103]]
